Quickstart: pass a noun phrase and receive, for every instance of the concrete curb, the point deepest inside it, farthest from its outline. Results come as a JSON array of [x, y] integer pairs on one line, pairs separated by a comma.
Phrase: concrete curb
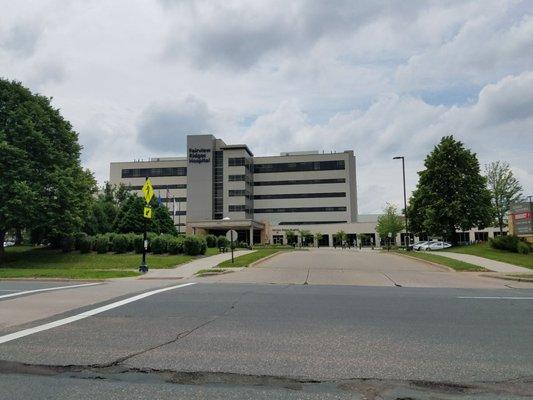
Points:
[[509, 278], [255, 263], [439, 266]]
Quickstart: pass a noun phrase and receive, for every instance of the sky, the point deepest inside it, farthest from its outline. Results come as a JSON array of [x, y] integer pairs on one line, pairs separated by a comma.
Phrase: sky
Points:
[[384, 78]]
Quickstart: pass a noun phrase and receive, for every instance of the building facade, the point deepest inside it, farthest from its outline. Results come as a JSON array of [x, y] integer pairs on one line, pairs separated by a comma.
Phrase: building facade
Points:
[[219, 187]]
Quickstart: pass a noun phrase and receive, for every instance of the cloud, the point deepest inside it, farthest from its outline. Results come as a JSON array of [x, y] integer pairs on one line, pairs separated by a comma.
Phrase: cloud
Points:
[[164, 127], [22, 39]]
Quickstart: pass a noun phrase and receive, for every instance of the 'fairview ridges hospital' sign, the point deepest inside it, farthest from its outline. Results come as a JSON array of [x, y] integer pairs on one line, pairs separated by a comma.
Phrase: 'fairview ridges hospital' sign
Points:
[[199, 156], [522, 218]]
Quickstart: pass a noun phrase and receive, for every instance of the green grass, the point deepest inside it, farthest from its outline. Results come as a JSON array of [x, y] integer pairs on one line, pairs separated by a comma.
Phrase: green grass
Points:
[[31, 262], [245, 260], [484, 250], [448, 262]]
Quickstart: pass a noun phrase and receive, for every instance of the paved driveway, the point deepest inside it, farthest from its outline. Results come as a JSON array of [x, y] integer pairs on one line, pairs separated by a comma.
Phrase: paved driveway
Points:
[[358, 267]]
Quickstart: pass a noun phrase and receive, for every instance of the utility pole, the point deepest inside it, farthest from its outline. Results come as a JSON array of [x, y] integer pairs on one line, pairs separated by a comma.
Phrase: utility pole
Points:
[[407, 238]]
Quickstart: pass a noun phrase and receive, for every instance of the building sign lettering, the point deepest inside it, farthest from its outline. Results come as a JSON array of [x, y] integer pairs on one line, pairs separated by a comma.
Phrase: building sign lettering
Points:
[[199, 156]]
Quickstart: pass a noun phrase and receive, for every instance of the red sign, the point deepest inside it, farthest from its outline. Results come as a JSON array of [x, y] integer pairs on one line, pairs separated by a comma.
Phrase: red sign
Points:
[[525, 215]]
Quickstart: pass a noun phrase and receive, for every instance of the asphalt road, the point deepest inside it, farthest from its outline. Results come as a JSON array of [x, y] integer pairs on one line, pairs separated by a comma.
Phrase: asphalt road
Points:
[[284, 341]]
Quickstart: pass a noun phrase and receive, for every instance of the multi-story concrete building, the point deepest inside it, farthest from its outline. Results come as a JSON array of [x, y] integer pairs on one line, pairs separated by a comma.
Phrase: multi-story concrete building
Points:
[[219, 187]]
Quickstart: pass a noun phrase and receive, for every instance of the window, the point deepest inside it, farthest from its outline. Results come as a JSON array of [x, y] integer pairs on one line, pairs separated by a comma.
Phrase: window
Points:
[[153, 172], [237, 178], [299, 166], [300, 182], [299, 195], [240, 207], [462, 237], [218, 185], [179, 212], [156, 187], [170, 199], [297, 209], [310, 222], [233, 193], [236, 161], [481, 236]]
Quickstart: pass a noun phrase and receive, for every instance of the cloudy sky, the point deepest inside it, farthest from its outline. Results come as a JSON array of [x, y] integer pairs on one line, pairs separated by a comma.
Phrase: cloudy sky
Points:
[[383, 78]]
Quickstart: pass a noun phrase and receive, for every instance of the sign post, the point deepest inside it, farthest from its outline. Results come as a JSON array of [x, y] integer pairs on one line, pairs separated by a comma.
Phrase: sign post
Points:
[[148, 192], [230, 235]]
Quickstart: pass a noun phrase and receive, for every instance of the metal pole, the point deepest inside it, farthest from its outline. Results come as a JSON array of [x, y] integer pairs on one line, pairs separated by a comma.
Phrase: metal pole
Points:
[[179, 215], [407, 238], [144, 268], [231, 244]]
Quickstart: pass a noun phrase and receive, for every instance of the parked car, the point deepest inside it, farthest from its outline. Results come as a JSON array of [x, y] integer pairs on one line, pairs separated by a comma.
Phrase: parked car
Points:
[[436, 245], [9, 243], [418, 245]]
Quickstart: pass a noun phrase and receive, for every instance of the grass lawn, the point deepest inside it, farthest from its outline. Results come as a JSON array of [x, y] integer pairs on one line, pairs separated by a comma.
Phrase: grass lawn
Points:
[[29, 262], [245, 260], [484, 250], [448, 262]]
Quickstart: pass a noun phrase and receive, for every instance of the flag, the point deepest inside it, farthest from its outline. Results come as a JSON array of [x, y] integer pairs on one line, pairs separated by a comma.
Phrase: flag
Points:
[[159, 201]]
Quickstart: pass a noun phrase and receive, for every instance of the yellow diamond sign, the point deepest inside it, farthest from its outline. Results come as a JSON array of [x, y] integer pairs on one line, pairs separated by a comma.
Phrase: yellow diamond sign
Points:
[[148, 190], [147, 212]]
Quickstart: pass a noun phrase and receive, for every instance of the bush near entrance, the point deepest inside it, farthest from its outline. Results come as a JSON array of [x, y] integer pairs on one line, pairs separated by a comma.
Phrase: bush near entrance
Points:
[[510, 243]]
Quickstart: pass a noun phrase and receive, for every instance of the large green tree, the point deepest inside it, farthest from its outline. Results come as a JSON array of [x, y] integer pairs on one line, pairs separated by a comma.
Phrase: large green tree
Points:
[[451, 193], [130, 217], [390, 222], [104, 209], [42, 184], [504, 188]]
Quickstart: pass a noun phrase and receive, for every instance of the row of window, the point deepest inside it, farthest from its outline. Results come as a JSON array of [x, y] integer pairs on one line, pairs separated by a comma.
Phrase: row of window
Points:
[[237, 178], [297, 209], [298, 195], [299, 166], [171, 199], [236, 161], [240, 207], [181, 212], [237, 193], [153, 172], [156, 187], [310, 222], [300, 182]]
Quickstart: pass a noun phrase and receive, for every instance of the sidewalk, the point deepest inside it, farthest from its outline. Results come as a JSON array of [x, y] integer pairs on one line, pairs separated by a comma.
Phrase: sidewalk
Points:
[[189, 269], [491, 265]]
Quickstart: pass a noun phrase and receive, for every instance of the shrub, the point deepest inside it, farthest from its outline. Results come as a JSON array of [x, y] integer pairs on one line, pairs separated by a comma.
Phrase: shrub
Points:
[[522, 248], [159, 245], [101, 244], [120, 243], [175, 245], [508, 243], [194, 245], [78, 237], [222, 242], [211, 240], [85, 244], [243, 245], [138, 243], [67, 244]]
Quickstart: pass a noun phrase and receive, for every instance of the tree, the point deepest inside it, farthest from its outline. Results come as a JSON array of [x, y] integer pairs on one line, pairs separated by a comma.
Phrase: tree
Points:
[[341, 237], [305, 235], [42, 184], [389, 222], [318, 238], [451, 193], [130, 217], [291, 236], [104, 209], [504, 189]]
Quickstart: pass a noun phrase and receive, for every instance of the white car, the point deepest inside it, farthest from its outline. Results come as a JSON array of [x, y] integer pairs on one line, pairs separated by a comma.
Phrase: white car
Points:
[[418, 245], [438, 245], [9, 243]]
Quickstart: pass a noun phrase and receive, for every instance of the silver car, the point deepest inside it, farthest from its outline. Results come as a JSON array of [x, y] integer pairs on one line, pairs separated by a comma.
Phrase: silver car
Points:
[[418, 245], [436, 245]]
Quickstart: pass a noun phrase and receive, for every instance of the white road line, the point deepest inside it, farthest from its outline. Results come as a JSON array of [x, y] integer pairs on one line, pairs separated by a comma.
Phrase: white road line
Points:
[[495, 297], [74, 318], [47, 289]]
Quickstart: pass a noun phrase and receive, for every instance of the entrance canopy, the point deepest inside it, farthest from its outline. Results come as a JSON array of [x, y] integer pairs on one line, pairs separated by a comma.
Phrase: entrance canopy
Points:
[[225, 225]]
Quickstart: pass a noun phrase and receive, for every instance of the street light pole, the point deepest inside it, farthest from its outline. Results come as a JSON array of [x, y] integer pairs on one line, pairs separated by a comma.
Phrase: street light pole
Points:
[[407, 238]]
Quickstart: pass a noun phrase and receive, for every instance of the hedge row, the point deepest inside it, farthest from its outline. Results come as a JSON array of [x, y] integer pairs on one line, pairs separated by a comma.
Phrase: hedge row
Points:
[[510, 243], [123, 243]]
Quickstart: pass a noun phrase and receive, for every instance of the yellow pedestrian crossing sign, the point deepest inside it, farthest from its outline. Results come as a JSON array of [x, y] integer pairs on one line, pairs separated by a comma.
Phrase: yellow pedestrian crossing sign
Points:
[[148, 191], [147, 212]]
